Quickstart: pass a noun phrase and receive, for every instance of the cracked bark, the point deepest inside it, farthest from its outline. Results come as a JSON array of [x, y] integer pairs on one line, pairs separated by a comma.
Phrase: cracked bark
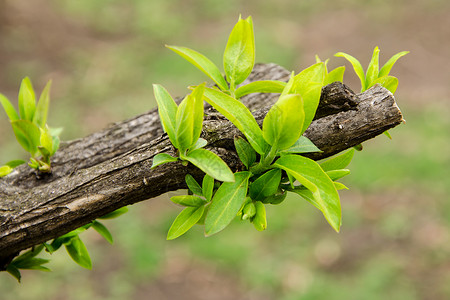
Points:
[[109, 169]]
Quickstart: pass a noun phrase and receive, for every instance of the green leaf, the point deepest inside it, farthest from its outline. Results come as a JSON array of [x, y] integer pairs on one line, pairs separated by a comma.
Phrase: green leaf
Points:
[[384, 71], [308, 83], [208, 187], [185, 123], [197, 111], [193, 185], [46, 139], [386, 133], [40, 116], [210, 163], [337, 174], [260, 219], [340, 186], [239, 115], [335, 75], [55, 144], [339, 161], [302, 145], [9, 108], [73, 233], [27, 134], [11, 269], [162, 158], [283, 124], [248, 211], [188, 200], [33, 252], [356, 66], [167, 109], [78, 252], [239, 55], [199, 144], [203, 63], [31, 264], [246, 153], [103, 231], [288, 89], [5, 170], [388, 82], [372, 69], [266, 185], [27, 100], [15, 163], [261, 86], [114, 214], [184, 221], [311, 175], [226, 203]]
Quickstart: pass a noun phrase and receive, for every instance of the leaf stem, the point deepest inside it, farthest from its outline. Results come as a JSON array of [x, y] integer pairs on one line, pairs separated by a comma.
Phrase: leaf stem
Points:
[[265, 162]]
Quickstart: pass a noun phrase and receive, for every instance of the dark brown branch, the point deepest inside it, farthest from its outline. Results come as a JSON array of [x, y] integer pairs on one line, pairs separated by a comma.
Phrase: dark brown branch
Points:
[[109, 169]]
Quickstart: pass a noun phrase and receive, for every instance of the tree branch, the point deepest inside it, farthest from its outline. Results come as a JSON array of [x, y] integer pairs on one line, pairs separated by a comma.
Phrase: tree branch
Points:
[[110, 169]]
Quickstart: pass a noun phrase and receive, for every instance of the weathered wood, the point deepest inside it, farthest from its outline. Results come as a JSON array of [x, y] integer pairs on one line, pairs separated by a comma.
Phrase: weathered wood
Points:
[[109, 169]]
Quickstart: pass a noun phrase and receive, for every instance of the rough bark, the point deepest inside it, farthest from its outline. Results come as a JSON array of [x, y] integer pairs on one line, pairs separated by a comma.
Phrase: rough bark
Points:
[[109, 169]]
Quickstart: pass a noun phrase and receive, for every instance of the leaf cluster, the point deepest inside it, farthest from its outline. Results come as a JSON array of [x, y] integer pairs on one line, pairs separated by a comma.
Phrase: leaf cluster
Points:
[[30, 127], [271, 155]]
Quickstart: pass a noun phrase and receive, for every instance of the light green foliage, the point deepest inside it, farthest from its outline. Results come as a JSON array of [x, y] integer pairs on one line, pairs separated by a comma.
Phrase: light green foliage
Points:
[[312, 176], [30, 126], [270, 155], [78, 252], [162, 158], [263, 86], [239, 55], [283, 123], [184, 221], [226, 203], [202, 63], [373, 74]]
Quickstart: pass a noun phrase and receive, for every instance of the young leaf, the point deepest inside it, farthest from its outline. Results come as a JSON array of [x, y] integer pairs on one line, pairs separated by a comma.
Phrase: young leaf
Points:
[[246, 153], [32, 264], [208, 187], [114, 214], [356, 66], [162, 158], [27, 134], [248, 211], [335, 75], [210, 163], [15, 163], [185, 124], [103, 231], [262, 86], [46, 140], [338, 162], [260, 219], [184, 221], [199, 144], [27, 100], [337, 174], [9, 108], [40, 116], [78, 252], [167, 109], [288, 89], [308, 83], [266, 185], [239, 115], [188, 200], [239, 55], [226, 203], [302, 145], [311, 175], [372, 69], [193, 185], [340, 186], [388, 82], [14, 271], [5, 170], [203, 63], [197, 111], [384, 71], [283, 124]]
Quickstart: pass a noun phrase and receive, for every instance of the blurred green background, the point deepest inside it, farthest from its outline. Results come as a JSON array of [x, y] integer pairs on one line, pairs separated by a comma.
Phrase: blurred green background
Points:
[[103, 56]]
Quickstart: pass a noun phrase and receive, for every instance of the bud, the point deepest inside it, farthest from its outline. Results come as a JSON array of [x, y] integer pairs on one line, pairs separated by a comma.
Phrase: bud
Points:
[[249, 211], [260, 221]]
